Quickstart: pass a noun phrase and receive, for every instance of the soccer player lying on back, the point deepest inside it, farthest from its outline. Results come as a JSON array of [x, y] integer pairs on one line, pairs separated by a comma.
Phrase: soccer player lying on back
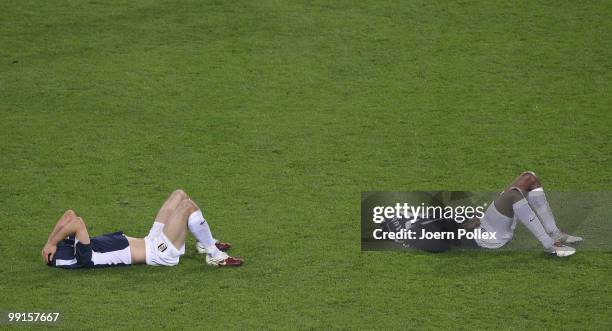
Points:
[[69, 245], [523, 200]]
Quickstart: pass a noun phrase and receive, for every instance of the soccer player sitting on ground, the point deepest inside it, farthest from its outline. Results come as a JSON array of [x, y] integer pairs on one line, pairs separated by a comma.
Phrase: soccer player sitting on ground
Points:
[[523, 200], [69, 245]]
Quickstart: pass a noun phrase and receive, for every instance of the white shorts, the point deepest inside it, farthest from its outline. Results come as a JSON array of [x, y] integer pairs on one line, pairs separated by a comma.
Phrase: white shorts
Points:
[[159, 249], [498, 223]]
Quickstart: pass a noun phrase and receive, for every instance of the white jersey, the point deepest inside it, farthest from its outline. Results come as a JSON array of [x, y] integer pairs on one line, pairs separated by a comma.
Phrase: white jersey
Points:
[[503, 227]]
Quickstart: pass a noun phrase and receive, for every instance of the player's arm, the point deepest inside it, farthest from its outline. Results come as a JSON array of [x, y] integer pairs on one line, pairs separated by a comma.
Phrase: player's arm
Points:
[[68, 227], [68, 216]]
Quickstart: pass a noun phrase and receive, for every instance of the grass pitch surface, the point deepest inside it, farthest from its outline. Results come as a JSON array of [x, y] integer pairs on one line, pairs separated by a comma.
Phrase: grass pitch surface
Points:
[[274, 116]]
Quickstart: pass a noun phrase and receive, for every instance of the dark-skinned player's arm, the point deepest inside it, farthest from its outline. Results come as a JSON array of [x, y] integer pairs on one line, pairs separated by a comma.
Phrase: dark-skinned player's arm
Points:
[[65, 227]]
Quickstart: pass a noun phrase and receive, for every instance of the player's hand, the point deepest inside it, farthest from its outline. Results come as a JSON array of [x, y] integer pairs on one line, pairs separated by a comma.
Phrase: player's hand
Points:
[[48, 252], [471, 224]]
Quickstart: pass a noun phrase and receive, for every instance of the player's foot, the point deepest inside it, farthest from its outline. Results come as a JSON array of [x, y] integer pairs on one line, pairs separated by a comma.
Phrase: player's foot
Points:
[[223, 260], [561, 250], [220, 246], [567, 238]]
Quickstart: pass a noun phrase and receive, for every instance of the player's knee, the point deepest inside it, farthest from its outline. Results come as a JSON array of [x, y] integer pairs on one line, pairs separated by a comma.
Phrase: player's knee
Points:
[[514, 194], [188, 205], [180, 194], [531, 178], [529, 174]]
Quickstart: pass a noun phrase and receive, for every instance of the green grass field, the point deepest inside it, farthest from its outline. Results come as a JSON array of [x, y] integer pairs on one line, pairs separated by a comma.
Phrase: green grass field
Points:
[[275, 116]]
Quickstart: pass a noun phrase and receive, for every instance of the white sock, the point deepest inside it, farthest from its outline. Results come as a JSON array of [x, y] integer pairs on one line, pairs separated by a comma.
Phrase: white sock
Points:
[[526, 215], [200, 230], [538, 200]]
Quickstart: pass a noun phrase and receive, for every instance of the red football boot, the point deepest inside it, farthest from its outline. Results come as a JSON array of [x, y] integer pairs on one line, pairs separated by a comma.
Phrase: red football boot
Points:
[[223, 260], [223, 246], [220, 245]]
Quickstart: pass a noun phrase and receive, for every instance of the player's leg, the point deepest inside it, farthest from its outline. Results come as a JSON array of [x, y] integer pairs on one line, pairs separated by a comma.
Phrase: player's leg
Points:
[[513, 203], [512, 199], [175, 227], [525, 182], [188, 215], [167, 210], [170, 205], [531, 187], [163, 216], [539, 203], [165, 243]]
